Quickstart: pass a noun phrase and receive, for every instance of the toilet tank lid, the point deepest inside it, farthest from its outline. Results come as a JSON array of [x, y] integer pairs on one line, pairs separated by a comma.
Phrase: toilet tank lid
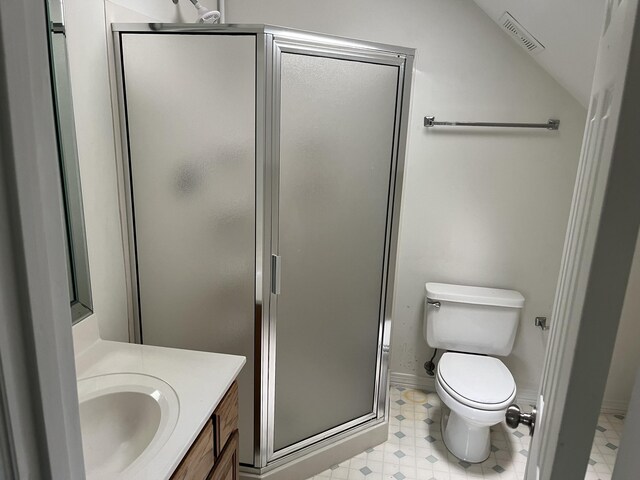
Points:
[[496, 297]]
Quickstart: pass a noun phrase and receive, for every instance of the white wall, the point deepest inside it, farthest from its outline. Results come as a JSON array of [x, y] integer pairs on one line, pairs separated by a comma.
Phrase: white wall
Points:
[[483, 207], [88, 39], [626, 356], [96, 152], [480, 207], [570, 31]]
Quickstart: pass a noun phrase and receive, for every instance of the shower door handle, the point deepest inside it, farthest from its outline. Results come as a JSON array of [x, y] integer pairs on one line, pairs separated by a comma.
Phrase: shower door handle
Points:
[[276, 265]]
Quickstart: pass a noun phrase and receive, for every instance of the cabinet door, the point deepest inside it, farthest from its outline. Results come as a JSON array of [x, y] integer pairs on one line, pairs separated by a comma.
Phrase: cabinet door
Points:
[[199, 460], [225, 419], [336, 169], [190, 103], [227, 465]]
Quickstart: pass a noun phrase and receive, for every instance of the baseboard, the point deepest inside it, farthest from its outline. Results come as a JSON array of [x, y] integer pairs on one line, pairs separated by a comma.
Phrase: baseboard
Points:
[[409, 380], [524, 397], [614, 407], [320, 460]]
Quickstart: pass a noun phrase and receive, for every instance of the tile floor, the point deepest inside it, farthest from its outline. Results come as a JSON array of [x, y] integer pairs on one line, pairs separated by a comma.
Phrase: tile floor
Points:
[[605, 447], [415, 451]]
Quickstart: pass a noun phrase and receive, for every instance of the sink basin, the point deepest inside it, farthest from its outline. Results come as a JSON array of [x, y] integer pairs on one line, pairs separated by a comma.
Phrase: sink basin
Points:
[[125, 420]]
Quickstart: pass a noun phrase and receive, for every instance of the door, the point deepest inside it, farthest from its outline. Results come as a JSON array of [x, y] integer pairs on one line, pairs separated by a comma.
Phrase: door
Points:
[[335, 190], [603, 227], [190, 106]]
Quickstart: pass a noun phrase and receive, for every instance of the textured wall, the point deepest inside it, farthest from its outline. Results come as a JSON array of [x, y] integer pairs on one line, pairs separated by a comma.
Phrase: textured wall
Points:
[[481, 207]]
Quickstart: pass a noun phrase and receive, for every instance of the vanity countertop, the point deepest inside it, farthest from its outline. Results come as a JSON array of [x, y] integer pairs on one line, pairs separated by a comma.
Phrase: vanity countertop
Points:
[[199, 379]]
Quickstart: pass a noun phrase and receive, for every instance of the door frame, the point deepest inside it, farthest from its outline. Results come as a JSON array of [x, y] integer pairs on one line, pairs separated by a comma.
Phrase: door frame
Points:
[[599, 251], [39, 414]]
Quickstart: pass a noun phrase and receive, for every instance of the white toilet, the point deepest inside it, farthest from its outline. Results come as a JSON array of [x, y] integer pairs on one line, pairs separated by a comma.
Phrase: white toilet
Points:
[[472, 324]]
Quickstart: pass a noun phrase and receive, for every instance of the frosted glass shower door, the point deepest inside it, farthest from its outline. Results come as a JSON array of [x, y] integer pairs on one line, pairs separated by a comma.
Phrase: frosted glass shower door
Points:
[[190, 103], [336, 168]]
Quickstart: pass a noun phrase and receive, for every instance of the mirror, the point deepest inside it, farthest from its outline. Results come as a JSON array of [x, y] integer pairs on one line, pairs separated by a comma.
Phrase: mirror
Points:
[[77, 259]]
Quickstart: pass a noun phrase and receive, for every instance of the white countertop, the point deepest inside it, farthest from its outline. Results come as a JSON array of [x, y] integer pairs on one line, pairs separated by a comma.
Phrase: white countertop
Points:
[[200, 380]]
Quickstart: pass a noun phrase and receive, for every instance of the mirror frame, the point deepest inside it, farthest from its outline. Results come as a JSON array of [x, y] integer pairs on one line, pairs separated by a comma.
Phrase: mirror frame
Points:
[[77, 255]]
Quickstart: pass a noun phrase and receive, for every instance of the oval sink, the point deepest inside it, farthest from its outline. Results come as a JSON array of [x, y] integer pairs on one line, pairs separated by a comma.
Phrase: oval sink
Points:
[[125, 420]]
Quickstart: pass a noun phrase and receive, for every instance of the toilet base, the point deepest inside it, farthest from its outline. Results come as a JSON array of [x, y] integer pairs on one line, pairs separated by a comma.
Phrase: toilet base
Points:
[[467, 442]]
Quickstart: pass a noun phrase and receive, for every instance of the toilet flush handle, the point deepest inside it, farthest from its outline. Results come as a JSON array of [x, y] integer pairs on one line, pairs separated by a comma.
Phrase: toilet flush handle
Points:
[[433, 303]]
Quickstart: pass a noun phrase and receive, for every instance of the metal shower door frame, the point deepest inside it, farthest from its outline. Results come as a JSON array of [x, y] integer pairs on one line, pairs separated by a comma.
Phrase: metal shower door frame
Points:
[[270, 43], [277, 42], [262, 191]]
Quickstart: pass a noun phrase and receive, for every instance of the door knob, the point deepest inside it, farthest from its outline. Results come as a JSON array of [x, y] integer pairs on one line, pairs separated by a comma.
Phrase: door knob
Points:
[[514, 417]]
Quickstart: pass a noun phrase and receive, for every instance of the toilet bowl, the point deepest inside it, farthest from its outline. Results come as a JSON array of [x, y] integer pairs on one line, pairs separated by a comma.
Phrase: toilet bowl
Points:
[[477, 390], [474, 324]]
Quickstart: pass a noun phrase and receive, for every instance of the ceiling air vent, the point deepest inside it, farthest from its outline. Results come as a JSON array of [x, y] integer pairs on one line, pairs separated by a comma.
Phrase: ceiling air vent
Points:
[[520, 34]]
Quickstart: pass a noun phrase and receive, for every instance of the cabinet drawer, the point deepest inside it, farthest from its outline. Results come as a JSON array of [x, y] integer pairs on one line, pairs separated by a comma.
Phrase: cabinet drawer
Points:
[[199, 460], [227, 465], [225, 419]]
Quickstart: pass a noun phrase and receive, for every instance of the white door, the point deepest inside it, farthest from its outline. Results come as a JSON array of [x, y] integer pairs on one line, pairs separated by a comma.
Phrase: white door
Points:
[[603, 227]]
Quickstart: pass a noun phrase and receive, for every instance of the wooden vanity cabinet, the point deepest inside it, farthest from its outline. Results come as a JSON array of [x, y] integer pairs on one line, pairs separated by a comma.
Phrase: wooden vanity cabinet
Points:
[[214, 454], [226, 467]]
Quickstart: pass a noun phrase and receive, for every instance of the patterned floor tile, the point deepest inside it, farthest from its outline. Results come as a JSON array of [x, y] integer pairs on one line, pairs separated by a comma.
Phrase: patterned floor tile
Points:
[[415, 450]]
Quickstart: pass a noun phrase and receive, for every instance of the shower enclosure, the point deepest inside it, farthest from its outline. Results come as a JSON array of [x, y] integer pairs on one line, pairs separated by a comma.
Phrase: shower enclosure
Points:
[[264, 172]]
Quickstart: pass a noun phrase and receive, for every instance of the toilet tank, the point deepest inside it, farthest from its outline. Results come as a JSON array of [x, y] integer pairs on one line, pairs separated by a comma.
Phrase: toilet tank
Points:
[[471, 319]]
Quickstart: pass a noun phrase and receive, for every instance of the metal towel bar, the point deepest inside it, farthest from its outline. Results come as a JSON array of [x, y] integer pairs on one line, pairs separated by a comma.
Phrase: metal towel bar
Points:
[[552, 124]]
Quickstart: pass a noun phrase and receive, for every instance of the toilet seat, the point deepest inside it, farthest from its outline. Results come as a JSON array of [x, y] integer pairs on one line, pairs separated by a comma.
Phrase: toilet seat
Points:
[[477, 381]]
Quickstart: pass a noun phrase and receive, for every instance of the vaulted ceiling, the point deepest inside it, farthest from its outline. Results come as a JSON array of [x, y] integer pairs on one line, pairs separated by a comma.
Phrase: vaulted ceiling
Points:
[[568, 29]]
